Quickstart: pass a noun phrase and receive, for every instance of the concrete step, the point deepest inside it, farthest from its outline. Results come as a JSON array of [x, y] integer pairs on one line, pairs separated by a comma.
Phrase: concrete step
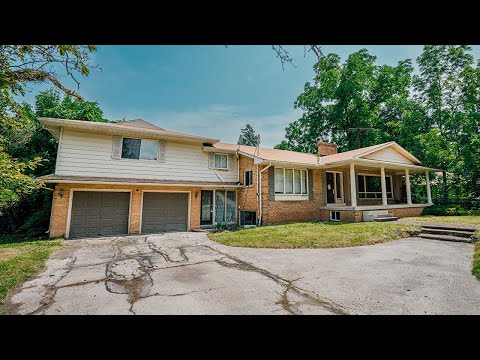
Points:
[[458, 233], [385, 218], [444, 238], [450, 227]]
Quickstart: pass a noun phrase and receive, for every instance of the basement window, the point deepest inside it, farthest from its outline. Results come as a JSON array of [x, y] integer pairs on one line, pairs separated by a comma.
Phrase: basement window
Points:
[[248, 218], [334, 215]]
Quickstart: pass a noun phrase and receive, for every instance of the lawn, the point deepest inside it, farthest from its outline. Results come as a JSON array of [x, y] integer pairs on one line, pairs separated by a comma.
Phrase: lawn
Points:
[[21, 259], [461, 220], [476, 261], [314, 235]]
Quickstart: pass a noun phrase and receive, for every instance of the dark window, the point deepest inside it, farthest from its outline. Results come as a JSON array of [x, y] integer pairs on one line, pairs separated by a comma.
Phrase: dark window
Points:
[[139, 149], [248, 218], [248, 180], [131, 148], [370, 187], [335, 215]]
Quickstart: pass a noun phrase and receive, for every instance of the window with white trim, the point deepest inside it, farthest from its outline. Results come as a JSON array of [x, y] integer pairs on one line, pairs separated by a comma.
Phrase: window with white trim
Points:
[[248, 178], [290, 181], [334, 215], [221, 161], [370, 186], [139, 149]]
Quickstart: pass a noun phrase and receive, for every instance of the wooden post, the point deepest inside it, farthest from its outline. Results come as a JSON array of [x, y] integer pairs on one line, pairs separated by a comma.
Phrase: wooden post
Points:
[[409, 191], [384, 186], [429, 193], [353, 187]]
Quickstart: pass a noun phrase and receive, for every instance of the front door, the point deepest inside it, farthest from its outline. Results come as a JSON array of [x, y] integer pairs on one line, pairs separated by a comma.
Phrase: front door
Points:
[[207, 207], [330, 188]]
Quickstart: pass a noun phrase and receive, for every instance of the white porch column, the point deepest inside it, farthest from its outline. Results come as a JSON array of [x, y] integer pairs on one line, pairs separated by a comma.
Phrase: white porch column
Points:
[[384, 186], [409, 191], [429, 193], [353, 186]]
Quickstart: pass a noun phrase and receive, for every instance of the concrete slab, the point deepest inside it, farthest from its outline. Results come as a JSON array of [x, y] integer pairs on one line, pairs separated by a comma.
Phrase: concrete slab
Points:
[[185, 273]]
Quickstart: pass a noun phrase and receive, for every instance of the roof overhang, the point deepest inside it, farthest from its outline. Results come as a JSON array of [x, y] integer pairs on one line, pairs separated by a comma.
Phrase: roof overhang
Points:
[[378, 164], [211, 149], [54, 125]]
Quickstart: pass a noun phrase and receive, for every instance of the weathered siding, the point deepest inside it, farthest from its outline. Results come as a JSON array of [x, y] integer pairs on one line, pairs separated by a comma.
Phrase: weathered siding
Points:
[[83, 154], [388, 154]]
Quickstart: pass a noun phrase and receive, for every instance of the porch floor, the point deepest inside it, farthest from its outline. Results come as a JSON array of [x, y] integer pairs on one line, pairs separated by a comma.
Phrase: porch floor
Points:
[[338, 207]]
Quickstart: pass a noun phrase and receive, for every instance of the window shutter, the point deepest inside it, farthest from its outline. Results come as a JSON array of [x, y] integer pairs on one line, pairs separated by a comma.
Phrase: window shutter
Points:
[[271, 183], [117, 147], [211, 161], [324, 187], [231, 163], [161, 151], [310, 185]]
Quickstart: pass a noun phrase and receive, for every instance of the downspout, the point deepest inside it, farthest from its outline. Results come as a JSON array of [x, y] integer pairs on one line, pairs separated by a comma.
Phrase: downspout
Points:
[[238, 165], [260, 192]]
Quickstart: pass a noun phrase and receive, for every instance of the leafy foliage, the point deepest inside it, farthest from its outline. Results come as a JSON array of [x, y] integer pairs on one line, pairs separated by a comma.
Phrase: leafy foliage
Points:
[[20, 65], [24, 207], [434, 114], [248, 136]]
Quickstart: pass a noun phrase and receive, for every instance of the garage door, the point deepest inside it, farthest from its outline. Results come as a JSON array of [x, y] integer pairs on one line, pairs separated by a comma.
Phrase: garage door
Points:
[[96, 213], [164, 212]]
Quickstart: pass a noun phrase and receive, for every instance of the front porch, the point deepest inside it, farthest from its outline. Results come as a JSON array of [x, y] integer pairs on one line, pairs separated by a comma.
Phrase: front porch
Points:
[[362, 189]]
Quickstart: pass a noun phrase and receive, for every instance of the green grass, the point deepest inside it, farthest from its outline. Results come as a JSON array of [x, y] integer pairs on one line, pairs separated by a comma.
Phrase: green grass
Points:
[[461, 220], [314, 235], [476, 261], [21, 259]]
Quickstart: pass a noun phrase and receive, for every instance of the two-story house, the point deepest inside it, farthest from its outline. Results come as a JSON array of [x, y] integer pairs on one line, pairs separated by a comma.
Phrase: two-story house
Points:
[[133, 177]]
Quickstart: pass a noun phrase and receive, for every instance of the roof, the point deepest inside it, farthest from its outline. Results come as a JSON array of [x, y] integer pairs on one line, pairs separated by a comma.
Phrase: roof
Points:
[[271, 154], [102, 180], [140, 123], [133, 128]]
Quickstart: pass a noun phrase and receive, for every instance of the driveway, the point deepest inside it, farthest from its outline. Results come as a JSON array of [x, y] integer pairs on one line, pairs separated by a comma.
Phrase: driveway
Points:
[[185, 273]]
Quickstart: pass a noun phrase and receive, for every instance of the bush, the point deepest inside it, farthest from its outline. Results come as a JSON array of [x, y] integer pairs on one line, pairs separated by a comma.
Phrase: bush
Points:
[[445, 210]]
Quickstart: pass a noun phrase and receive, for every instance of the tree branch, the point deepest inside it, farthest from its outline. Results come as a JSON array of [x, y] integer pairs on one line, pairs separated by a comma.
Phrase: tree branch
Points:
[[38, 76]]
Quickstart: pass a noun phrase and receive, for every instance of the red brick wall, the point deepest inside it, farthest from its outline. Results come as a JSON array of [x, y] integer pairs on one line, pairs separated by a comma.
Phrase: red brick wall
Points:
[[58, 221], [290, 211], [247, 196], [345, 215], [415, 211], [325, 148]]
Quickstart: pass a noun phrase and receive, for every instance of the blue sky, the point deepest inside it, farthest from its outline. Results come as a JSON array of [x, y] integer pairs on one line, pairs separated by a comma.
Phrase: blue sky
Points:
[[210, 90]]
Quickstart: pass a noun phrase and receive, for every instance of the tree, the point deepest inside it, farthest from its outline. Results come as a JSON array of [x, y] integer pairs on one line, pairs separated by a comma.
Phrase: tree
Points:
[[248, 137], [19, 66], [350, 104], [29, 211]]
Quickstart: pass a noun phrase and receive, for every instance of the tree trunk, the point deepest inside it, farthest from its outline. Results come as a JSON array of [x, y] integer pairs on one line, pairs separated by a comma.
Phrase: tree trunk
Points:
[[445, 189]]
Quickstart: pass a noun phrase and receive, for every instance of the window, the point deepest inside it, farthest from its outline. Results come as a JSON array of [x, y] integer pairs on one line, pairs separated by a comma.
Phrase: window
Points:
[[221, 161], [248, 178], [370, 187], [290, 181], [248, 218], [335, 215], [225, 206], [139, 149]]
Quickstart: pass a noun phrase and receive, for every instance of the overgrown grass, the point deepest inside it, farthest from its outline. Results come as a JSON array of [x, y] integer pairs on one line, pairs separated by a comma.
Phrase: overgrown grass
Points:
[[20, 259], [314, 235], [461, 220], [476, 261]]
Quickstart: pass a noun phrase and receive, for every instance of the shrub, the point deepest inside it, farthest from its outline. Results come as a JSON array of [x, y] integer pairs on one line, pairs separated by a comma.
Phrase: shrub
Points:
[[221, 226], [445, 210]]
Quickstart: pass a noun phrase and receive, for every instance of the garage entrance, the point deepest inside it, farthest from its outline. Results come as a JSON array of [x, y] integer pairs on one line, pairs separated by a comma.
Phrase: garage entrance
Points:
[[164, 212], [97, 213]]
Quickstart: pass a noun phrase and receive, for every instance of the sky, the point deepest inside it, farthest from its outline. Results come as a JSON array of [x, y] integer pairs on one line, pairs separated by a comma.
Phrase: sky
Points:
[[211, 91]]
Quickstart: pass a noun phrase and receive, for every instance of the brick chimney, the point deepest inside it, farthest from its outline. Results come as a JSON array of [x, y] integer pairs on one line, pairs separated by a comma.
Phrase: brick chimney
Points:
[[326, 148]]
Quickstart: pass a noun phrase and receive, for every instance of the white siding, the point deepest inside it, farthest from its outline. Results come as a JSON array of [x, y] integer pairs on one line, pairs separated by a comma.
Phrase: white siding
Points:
[[388, 154], [83, 154]]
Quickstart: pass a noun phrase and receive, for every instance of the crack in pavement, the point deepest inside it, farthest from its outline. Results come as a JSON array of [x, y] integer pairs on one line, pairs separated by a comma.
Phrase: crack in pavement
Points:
[[130, 274]]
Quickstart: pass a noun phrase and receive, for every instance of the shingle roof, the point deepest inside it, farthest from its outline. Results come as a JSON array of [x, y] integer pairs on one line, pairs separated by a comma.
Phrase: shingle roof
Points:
[[272, 154]]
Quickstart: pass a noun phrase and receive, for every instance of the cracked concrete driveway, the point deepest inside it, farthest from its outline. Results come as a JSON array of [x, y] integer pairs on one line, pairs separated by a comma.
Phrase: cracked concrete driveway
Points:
[[185, 273]]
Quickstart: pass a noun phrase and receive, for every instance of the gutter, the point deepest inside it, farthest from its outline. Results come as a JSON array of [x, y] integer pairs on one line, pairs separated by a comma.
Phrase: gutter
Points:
[[260, 192]]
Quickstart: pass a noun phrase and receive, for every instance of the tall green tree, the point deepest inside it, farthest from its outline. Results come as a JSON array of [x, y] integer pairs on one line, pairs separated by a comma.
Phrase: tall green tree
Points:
[[248, 136], [350, 104], [21, 65], [30, 211]]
